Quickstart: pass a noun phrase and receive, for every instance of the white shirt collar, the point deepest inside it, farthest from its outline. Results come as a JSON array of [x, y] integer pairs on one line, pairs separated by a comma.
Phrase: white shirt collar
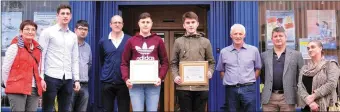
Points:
[[120, 38]]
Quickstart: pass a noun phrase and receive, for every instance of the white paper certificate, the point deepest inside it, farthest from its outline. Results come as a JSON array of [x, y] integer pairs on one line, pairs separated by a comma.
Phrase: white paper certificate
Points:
[[193, 73], [143, 72]]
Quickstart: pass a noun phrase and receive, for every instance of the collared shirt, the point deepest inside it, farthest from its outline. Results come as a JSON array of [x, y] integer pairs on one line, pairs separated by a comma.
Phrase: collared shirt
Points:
[[278, 66], [239, 65], [85, 61], [60, 53], [116, 41]]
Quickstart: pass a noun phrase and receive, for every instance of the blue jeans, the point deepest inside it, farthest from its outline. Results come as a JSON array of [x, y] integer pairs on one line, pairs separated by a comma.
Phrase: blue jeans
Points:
[[80, 99], [241, 99], [57, 87], [148, 93]]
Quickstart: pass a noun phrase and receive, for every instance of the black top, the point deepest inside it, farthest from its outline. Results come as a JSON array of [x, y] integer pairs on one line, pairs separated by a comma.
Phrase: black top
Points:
[[278, 66], [308, 81]]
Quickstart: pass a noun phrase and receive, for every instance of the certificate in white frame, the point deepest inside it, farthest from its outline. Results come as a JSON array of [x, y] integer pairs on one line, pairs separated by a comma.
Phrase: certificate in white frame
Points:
[[143, 72]]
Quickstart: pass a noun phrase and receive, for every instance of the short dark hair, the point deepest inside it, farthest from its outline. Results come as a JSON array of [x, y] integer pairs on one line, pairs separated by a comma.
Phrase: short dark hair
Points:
[[63, 6], [189, 15], [144, 15], [82, 23], [278, 29], [27, 22]]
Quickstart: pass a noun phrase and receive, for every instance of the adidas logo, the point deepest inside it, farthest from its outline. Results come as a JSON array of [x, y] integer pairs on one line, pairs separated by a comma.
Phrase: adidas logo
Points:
[[145, 51]]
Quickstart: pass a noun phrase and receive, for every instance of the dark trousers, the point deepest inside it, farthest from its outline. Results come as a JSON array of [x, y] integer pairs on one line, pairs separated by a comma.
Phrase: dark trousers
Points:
[[241, 99], [80, 99], [192, 101], [57, 87], [110, 92]]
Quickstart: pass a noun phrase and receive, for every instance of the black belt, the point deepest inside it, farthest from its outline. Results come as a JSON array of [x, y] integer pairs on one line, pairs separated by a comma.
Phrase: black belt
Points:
[[83, 82], [241, 85], [278, 91]]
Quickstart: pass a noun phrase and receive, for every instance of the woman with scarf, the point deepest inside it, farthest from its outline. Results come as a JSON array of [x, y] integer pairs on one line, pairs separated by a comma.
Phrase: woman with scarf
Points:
[[20, 70], [317, 81]]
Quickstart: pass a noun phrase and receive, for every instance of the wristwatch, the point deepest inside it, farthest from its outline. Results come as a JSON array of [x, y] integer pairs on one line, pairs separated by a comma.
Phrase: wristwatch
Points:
[[76, 80]]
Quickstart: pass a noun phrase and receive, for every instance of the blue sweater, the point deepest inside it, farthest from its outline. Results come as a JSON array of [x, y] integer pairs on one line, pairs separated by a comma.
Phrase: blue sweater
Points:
[[110, 59]]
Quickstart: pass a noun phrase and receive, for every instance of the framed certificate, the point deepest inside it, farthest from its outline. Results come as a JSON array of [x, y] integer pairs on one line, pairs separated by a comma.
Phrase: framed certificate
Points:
[[194, 72], [143, 72]]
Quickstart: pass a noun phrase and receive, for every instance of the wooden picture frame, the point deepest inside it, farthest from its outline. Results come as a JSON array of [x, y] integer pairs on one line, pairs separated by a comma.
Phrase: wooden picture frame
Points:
[[194, 72]]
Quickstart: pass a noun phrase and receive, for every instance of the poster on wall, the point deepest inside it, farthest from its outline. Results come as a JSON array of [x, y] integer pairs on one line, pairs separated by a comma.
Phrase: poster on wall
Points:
[[321, 25], [331, 57], [303, 42], [10, 24], [44, 20], [285, 19]]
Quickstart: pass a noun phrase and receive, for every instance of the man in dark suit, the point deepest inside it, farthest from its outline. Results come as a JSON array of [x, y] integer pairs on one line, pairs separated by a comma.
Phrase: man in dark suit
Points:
[[280, 72]]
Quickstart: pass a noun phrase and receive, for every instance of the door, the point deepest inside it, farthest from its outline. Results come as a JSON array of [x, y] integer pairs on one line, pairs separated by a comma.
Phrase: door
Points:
[[167, 100]]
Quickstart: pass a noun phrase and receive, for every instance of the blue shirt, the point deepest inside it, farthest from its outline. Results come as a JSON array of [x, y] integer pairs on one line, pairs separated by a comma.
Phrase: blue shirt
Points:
[[239, 66], [85, 61]]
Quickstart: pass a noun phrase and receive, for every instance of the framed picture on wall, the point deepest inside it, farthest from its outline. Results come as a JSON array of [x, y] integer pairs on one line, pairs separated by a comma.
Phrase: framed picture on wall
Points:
[[10, 24], [44, 20], [321, 25], [280, 18]]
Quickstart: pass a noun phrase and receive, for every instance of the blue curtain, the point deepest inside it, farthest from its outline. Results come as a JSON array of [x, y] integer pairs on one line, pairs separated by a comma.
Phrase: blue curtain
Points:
[[218, 36], [86, 10], [107, 9]]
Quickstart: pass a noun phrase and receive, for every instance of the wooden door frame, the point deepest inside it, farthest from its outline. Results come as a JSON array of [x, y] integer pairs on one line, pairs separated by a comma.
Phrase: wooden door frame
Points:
[[169, 85]]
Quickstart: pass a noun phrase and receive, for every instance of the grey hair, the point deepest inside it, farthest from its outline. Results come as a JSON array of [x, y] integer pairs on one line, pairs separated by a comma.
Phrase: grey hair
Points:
[[238, 26], [116, 16]]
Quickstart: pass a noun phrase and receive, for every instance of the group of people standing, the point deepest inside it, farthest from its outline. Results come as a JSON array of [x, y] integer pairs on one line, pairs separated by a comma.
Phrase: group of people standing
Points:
[[288, 83], [58, 64]]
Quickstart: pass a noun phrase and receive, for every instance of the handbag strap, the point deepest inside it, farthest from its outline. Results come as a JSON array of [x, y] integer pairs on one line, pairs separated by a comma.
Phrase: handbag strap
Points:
[[32, 56]]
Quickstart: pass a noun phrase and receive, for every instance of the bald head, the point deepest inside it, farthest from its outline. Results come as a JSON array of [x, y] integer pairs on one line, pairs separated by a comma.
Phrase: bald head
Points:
[[116, 23], [116, 18]]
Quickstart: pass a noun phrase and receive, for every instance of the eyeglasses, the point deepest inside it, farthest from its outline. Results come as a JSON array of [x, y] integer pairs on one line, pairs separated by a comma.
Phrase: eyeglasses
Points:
[[28, 30], [83, 29]]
